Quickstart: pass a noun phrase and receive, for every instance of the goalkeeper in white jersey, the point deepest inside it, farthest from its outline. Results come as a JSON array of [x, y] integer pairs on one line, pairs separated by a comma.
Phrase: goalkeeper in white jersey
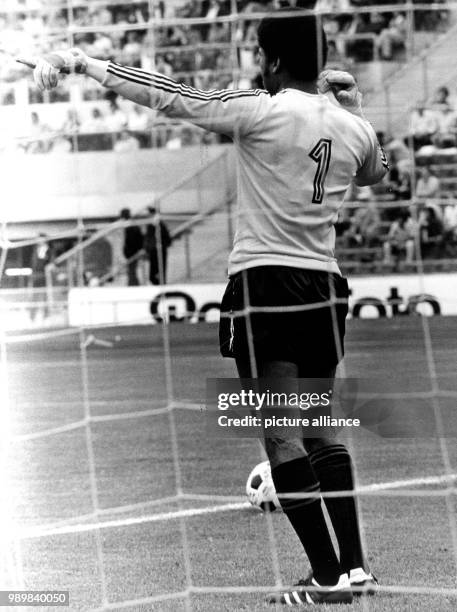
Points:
[[299, 145]]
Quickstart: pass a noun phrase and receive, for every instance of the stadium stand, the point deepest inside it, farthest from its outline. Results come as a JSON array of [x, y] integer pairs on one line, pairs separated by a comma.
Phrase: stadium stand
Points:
[[211, 43], [215, 50]]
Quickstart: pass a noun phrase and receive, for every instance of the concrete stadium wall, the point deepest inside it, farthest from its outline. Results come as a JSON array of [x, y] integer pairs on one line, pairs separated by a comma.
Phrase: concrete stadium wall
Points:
[[96, 185]]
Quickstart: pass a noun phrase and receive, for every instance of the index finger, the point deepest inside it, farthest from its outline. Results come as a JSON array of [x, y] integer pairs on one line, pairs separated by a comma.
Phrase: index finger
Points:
[[341, 78], [26, 62]]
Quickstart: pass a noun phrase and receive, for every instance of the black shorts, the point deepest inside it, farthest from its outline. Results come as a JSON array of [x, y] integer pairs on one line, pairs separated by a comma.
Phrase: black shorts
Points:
[[312, 337]]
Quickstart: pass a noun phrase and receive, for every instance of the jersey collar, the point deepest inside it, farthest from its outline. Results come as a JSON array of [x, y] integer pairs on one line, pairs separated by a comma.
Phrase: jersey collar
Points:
[[300, 91]]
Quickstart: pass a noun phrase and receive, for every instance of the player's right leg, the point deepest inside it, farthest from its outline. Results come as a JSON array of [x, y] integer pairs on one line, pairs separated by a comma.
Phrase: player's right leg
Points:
[[330, 458], [333, 466], [293, 476]]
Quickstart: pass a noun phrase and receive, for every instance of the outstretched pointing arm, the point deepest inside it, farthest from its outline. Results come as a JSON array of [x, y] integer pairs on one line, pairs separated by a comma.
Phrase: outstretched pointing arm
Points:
[[226, 111]]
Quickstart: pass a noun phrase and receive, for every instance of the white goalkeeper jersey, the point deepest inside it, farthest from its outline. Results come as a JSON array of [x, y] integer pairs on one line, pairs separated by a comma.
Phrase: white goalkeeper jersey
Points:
[[297, 154]]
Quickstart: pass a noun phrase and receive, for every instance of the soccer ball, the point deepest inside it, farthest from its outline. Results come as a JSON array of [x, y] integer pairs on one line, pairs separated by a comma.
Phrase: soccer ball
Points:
[[260, 488]]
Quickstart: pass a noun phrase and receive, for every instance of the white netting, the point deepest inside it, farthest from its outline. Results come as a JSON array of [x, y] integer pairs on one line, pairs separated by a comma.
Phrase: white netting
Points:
[[181, 506], [83, 522], [97, 521]]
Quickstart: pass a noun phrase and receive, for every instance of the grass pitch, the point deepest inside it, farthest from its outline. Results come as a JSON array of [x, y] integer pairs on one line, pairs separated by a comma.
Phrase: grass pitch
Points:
[[408, 537]]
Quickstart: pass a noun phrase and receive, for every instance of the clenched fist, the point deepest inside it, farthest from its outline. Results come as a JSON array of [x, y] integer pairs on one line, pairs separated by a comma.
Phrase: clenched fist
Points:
[[344, 88]]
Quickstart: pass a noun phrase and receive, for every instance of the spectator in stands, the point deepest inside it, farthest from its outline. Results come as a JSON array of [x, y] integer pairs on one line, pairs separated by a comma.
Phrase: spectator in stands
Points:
[[450, 220], [401, 186], [131, 52], [364, 228], [430, 20], [80, 17], [158, 9], [138, 119], [363, 49], [422, 214], [101, 15], [116, 120], [219, 33], [156, 244], [424, 125], [189, 136], [370, 224], [72, 123], [393, 37], [133, 245], [431, 234], [446, 135], [102, 47], [136, 44], [209, 138], [428, 184], [33, 24], [397, 152], [95, 124], [440, 101], [352, 236], [126, 143], [401, 239], [210, 9], [163, 66], [450, 231], [39, 136]]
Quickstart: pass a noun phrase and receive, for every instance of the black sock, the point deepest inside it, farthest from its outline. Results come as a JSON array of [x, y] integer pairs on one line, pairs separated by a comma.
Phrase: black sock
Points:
[[333, 467], [307, 517]]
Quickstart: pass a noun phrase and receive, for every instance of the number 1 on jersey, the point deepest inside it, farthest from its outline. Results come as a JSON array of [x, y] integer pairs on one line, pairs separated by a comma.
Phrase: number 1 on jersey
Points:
[[321, 155]]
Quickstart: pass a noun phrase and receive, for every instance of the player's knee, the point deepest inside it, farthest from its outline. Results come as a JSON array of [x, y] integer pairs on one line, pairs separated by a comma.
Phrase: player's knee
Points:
[[315, 444], [283, 450]]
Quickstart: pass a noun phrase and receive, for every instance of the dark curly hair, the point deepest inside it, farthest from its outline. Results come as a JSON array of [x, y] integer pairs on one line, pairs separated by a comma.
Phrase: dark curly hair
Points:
[[298, 42]]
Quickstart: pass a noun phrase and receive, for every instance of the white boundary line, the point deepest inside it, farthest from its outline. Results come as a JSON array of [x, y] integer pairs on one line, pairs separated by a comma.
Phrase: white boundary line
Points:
[[412, 482], [254, 589], [46, 335], [101, 418], [376, 488]]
